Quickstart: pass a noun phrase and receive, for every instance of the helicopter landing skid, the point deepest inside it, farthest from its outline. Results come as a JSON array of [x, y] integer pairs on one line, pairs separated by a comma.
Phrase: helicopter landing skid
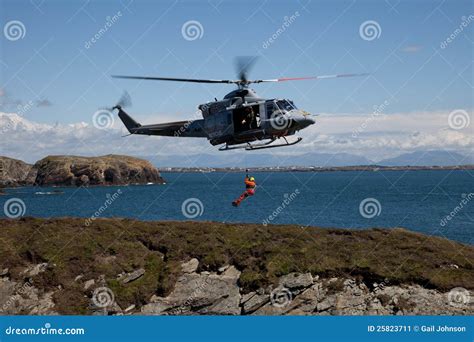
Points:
[[251, 147], [260, 146]]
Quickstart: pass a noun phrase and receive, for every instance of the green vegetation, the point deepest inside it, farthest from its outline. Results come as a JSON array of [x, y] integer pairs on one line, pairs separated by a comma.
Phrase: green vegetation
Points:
[[110, 247]]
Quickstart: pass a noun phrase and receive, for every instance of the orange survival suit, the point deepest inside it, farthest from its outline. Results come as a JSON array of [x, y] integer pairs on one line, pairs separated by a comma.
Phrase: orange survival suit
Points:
[[250, 186]]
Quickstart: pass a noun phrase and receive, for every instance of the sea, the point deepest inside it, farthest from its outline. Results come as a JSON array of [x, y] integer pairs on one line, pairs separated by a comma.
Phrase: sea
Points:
[[433, 202]]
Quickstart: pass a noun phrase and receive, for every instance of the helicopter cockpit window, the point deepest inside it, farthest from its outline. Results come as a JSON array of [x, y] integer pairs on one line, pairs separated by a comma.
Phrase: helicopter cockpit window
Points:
[[286, 105]]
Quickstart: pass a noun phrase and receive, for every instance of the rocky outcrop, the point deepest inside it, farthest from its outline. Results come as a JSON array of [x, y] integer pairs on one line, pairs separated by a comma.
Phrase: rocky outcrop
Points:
[[23, 298], [78, 171], [200, 268], [15, 172], [211, 293], [205, 293], [105, 170], [301, 294]]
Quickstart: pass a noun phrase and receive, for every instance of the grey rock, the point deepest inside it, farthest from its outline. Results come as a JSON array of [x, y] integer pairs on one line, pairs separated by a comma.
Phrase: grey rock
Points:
[[296, 280], [232, 273], [133, 276], [130, 308], [155, 308], [223, 268], [199, 294], [88, 284], [306, 302], [24, 298], [246, 297], [326, 303], [34, 270], [255, 302], [190, 266], [271, 310]]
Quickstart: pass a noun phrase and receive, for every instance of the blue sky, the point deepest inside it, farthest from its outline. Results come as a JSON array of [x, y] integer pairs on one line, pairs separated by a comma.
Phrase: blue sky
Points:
[[408, 67], [323, 39]]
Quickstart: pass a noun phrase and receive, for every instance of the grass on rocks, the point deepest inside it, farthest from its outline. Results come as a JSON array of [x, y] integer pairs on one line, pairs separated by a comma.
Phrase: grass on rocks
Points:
[[109, 247]]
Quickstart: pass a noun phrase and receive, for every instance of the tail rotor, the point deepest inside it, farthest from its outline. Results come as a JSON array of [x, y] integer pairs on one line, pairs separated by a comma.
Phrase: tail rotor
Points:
[[124, 102]]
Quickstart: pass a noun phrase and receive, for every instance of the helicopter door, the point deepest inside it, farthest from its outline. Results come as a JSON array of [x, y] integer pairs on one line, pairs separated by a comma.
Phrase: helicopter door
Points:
[[246, 118], [262, 114]]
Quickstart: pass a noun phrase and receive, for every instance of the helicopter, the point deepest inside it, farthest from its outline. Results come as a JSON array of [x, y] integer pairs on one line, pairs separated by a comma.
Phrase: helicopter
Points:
[[241, 120]]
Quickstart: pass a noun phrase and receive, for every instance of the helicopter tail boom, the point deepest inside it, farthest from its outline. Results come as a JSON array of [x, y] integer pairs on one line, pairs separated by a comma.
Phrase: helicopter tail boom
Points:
[[128, 121]]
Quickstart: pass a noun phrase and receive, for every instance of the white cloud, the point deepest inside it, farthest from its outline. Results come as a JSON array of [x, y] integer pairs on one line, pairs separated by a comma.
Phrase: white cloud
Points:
[[373, 136], [383, 136]]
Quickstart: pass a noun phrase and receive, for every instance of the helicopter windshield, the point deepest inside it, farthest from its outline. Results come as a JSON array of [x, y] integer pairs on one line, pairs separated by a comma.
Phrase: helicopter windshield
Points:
[[286, 105]]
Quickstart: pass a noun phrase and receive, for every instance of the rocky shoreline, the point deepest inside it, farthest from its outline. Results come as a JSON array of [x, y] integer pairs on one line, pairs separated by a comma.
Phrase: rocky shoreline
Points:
[[296, 294], [127, 267], [218, 293]]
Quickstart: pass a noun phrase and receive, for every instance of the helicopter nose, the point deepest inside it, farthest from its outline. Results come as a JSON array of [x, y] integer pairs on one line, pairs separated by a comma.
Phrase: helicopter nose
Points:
[[304, 121]]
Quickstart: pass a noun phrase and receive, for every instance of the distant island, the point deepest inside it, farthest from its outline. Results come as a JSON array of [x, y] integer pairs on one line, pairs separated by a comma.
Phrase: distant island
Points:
[[78, 171]]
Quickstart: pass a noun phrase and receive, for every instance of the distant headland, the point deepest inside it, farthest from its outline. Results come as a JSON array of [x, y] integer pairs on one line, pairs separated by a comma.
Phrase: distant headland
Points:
[[78, 171]]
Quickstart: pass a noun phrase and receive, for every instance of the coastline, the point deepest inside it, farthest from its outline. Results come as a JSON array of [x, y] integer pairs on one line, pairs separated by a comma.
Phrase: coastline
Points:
[[371, 168]]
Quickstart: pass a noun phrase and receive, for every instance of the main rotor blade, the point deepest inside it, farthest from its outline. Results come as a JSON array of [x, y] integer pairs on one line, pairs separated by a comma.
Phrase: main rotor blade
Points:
[[308, 78], [193, 80]]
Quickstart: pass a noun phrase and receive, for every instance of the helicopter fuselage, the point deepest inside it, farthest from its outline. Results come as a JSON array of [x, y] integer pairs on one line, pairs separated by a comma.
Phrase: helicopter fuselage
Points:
[[233, 121]]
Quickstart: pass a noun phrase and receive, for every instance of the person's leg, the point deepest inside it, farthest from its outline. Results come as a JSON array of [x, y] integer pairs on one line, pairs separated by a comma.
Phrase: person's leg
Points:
[[240, 199]]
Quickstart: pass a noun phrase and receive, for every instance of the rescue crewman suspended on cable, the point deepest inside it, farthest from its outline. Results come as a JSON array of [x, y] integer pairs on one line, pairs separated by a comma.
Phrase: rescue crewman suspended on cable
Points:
[[250, 186]]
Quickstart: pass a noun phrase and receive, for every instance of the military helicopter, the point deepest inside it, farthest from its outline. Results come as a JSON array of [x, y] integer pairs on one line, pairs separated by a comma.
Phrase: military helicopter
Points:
[[241, 120]]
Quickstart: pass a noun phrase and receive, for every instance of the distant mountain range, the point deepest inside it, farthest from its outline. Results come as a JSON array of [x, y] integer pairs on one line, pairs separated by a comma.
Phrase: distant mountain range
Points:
[[419, 158], [250, 159]]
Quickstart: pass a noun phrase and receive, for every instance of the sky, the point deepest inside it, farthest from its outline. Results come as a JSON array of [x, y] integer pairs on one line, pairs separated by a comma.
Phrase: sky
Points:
[[419, 56]]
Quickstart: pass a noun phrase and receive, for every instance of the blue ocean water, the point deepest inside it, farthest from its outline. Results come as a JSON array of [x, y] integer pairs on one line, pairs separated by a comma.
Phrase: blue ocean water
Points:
[[416, 200]]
